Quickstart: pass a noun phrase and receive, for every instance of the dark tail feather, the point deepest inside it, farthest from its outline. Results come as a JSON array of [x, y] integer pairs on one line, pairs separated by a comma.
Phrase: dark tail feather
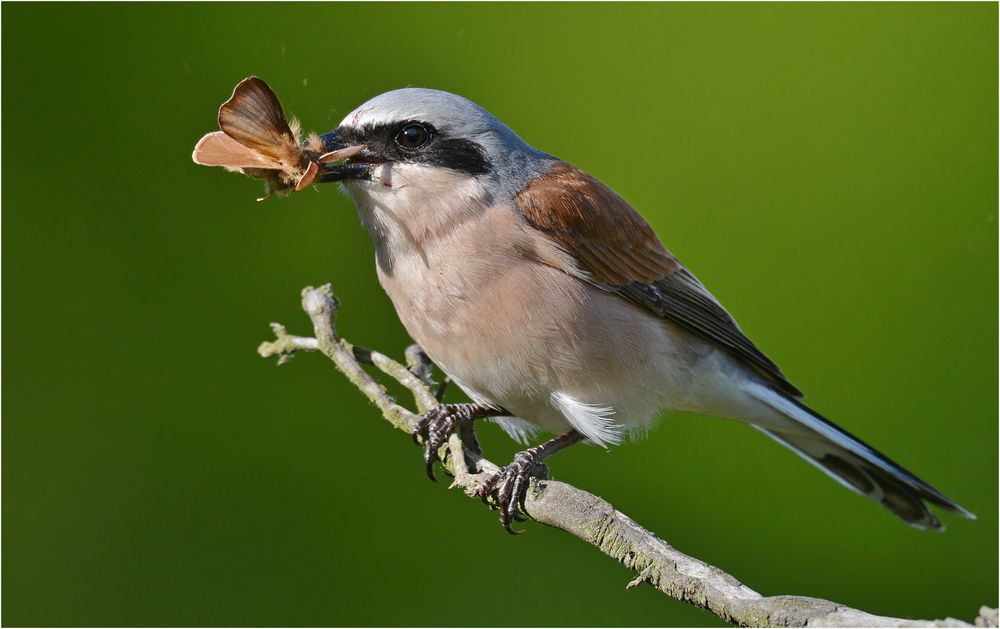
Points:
[[858, 466]]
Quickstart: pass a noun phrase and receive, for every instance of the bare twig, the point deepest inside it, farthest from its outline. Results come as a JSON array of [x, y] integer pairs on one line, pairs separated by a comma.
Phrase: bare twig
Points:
[[573, 510]]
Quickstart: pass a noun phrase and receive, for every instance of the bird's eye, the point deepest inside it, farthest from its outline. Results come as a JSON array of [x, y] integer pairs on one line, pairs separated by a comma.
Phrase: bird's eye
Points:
[[412, 136]]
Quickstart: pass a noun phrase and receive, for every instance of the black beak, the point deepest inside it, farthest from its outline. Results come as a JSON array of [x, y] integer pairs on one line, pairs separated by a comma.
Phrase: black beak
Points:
[[340, 161]]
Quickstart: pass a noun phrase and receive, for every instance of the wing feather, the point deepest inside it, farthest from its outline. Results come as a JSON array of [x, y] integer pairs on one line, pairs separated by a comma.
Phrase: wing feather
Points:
[[617, 250]]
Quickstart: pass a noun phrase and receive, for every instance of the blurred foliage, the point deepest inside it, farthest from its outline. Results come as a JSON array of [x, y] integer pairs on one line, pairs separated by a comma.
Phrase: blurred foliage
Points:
[[828, 170]]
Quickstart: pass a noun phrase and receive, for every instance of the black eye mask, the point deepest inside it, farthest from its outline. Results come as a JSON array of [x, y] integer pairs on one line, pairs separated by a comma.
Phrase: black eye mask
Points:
[[438, 149]]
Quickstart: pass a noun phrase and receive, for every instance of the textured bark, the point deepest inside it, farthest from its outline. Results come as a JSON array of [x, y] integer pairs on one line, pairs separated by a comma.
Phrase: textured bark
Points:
[[573, 510]]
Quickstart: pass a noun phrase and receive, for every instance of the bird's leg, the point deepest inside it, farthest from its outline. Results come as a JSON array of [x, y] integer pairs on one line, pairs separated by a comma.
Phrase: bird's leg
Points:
[[509, 485], [442, 420]]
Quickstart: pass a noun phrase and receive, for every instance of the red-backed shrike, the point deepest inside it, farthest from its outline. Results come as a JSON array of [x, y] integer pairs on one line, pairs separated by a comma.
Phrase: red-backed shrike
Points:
[[552, 303]]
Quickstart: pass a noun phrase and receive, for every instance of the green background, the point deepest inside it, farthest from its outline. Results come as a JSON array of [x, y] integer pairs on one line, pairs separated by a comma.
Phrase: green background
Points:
[[828, 170]]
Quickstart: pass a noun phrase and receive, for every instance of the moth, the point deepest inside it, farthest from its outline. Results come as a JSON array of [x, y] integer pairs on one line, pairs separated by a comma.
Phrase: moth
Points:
[[257, 140]]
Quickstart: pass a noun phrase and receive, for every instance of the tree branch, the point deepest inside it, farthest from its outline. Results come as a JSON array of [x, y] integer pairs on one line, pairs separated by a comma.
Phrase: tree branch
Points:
[[573, 510]]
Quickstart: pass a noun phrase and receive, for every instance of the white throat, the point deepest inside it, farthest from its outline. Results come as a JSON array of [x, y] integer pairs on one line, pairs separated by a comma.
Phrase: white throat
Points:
[[405, 207]]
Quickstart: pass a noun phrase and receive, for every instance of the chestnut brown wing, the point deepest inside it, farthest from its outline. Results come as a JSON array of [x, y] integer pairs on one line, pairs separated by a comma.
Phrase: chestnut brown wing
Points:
[[617, 250]]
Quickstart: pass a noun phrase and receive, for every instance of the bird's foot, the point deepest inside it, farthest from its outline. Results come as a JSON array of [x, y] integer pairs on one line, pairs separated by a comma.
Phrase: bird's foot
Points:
[[508, 487], [437, 425]]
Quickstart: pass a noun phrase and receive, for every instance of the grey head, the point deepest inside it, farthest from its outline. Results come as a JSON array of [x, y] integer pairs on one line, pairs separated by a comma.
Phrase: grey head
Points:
[[438, 129]]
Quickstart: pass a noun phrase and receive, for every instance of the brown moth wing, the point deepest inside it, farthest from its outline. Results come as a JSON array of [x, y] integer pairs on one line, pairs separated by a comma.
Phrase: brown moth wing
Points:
[[253, 117], [218, 149], [307, 177], [341, 154]]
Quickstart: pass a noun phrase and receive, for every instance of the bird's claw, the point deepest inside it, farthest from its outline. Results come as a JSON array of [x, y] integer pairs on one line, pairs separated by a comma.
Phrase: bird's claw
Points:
[[434, 429], [508, 487]]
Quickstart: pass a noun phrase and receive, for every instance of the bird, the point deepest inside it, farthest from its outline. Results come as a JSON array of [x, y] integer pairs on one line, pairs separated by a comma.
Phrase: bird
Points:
[[553, 304]]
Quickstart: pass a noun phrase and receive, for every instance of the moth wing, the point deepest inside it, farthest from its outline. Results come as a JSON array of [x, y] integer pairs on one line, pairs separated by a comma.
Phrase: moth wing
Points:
[[307, 177], [218, 149], [253, 117], [341, 154]]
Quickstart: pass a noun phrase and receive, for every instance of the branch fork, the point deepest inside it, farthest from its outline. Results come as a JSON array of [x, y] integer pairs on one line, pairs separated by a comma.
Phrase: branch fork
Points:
[[563, 506]]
